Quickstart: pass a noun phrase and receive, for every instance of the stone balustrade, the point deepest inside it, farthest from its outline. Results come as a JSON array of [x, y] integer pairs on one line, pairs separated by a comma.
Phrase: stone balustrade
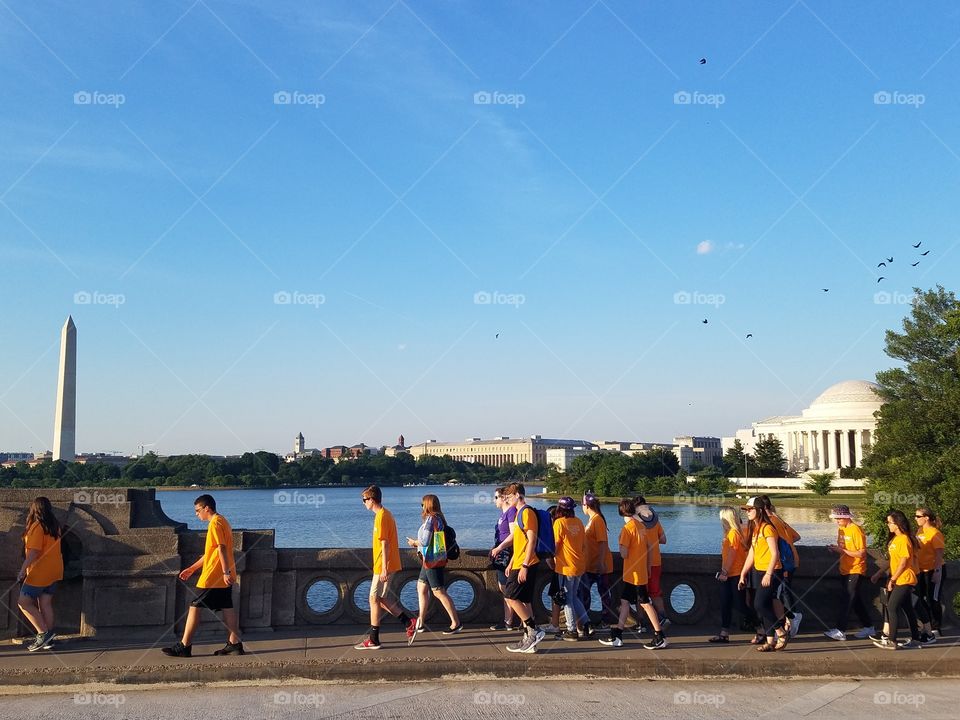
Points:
[[123, 556]]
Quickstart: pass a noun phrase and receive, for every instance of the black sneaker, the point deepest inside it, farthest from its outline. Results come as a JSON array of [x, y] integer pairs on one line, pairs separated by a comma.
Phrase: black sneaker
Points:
[[178, 650], [658, 643], [231, 649], [571, 636], [501, 626], [453, 631]]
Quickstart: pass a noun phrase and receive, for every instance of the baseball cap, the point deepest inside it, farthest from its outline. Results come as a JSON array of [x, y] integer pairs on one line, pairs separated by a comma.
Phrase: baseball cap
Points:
[[840, 512], [753, 502], [588, 498], [566, 503]]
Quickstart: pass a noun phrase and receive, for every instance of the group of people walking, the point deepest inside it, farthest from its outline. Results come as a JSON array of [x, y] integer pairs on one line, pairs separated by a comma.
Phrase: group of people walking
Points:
[[758, 559]]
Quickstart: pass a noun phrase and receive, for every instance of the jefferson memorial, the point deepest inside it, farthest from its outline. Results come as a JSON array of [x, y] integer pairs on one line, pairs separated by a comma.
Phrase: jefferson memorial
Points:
[[835, 431]]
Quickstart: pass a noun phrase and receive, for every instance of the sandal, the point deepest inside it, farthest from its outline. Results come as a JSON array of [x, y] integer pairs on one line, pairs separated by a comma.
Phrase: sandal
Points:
[[719, 639], [766, 647], [758, 639], [782, 641]]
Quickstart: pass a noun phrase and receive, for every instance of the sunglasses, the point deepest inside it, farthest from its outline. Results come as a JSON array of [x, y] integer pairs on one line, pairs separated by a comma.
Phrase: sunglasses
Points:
[[365, 500], [918, 517]]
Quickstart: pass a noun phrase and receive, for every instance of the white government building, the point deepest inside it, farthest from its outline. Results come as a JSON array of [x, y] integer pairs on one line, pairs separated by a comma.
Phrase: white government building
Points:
[[835, 431]]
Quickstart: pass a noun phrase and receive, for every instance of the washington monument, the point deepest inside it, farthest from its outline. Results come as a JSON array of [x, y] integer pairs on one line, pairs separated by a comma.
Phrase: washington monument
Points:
[[65, 425]]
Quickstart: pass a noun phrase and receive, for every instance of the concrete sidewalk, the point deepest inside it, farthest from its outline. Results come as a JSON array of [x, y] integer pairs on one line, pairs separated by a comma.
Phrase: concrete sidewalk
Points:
[[329, 655]]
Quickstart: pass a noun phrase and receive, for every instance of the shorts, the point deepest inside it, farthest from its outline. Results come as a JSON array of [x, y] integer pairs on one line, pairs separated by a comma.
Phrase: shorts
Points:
[[501, 578], [522, 592], [382, 590], [653, 582], [35, 591], [214, 599], [635, 594], [432, 577]]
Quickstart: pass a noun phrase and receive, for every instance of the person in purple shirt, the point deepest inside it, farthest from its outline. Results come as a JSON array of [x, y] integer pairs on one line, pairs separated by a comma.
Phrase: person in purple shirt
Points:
[[502, 552]]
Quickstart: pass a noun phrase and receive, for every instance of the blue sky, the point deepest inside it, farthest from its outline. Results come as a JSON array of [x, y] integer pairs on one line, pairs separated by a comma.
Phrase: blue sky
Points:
[[565, 174]]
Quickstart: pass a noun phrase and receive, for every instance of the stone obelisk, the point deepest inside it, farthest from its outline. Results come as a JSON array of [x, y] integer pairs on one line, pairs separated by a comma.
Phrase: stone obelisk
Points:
[[65, 425]]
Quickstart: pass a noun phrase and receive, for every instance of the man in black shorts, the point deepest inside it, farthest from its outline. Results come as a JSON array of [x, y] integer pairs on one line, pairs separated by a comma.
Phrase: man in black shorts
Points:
[[217, 576], [522, 575]]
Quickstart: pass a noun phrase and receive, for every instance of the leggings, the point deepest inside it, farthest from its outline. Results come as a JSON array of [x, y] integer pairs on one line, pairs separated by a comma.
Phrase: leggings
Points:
[[573, 609], [610, 615], [763, 601], [929, 609], [730, 595], [900, 599], [854, 602]]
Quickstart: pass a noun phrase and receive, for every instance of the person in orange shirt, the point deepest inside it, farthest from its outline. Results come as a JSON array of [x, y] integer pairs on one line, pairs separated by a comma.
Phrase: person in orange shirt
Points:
[[570, 562], [733, 553], [902, 548], [636, 573], [655, 538], [41, 570], [217, 577], [386, 564], [930, 548], [763, 559], [599, 561], [852, 548], [522, 576]]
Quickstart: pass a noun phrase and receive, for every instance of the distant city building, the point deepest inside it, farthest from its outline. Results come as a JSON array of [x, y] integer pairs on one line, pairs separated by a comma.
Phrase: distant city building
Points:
[[342, 452], [704, 451], [14, 457], [836, 431], [300, 450], [563, 457], [394, 450], [497, 452], [65, 422]]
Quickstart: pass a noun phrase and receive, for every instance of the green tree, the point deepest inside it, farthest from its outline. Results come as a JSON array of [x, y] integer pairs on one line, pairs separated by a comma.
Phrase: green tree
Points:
[[736, 461], [769, 457], [915, 458], [820, 483]]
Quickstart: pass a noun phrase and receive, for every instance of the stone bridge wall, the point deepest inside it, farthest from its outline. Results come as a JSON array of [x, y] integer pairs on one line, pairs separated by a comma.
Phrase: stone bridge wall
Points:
[[123, 555]]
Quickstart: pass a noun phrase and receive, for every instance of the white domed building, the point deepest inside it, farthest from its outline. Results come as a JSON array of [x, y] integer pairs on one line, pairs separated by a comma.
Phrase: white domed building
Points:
[[835, 431]]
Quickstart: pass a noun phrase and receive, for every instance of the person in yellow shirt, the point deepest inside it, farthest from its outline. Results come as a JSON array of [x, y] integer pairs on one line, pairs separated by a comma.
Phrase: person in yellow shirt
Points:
[[386, 564], [733, 554], [41, 570], [655, 538], [636, 572], [763, 559], [930, 549], [902, 549], [785, 603], [599, 561], [522, 575], [218, 574], [570, 562], [852, 548]]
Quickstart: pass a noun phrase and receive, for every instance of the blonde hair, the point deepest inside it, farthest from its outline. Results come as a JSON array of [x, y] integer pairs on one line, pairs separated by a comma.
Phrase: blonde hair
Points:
[[730, 519]]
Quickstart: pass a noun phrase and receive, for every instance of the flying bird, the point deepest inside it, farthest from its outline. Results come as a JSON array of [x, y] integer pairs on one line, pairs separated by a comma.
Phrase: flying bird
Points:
[[915, 264], [889, 259], [883, 264], [924, 254], [880, 278], [749, 335], [825, 289], [703, 61], [919, 244], [704, 321], [496, 336]]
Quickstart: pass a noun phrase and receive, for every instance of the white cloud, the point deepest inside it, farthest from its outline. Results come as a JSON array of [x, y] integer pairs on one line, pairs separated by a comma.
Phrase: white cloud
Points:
[[704, 247]]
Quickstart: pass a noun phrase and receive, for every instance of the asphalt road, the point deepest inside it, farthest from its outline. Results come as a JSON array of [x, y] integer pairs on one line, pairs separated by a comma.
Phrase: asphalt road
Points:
[[579, 699]]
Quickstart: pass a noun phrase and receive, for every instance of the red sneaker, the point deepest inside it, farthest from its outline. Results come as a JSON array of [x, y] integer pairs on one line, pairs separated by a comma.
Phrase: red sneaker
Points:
[[367, 644]]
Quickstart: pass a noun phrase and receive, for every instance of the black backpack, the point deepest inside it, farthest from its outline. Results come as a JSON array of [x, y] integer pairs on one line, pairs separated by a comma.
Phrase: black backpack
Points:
[[453, 550]]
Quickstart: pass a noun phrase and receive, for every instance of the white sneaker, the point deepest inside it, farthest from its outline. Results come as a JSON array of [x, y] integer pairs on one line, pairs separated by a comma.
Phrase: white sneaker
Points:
[[795, 624], [611, 642], [835, 634], [550, 629], [864, 633]]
